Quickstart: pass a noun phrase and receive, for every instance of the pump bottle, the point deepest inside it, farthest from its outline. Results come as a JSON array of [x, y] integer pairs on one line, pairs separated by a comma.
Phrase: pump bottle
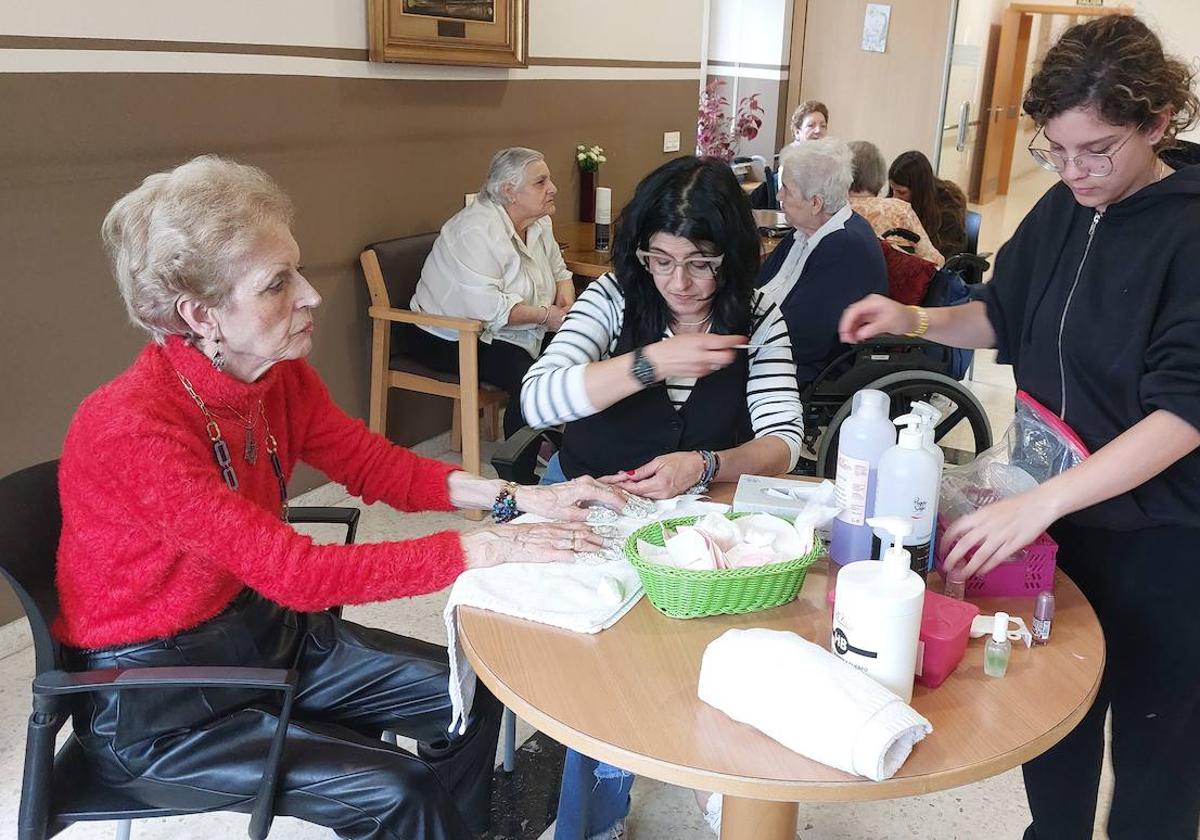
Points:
[[929, 420], [863, 438], [877, 613], [908, 479]]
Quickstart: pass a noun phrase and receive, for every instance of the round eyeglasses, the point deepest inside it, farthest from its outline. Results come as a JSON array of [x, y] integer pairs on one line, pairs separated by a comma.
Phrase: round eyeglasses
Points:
[[1098, 164], [697, 268]]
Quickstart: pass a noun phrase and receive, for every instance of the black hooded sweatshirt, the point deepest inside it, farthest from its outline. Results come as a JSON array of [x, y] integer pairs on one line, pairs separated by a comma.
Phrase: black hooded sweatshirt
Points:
[[1099, 315]]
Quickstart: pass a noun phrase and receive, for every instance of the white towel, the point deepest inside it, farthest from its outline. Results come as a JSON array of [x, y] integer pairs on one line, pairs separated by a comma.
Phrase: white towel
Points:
[[810, 701], [581, 598], [567, 595]]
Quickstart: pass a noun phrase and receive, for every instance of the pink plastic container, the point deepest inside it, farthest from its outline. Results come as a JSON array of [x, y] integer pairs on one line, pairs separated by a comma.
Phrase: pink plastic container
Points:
[[945, 628], [1030, 573]]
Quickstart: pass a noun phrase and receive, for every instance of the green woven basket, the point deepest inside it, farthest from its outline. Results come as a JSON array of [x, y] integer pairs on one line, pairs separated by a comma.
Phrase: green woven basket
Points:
[[688, 593]]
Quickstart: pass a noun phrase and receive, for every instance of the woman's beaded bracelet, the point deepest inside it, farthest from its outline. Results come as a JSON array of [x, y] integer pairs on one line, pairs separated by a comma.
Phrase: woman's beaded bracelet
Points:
[[505, 509], [712, 465]]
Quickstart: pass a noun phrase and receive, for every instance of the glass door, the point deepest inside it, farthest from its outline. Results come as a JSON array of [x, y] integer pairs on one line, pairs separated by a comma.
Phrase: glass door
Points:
[[961, 138]]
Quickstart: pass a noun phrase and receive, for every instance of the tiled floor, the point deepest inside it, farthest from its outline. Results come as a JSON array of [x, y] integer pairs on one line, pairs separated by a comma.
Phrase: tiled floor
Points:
[[992, 809]]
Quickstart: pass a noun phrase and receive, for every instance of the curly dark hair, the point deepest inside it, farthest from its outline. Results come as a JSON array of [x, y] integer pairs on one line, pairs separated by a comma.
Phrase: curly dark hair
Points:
[[1115, 64], [699, 199]]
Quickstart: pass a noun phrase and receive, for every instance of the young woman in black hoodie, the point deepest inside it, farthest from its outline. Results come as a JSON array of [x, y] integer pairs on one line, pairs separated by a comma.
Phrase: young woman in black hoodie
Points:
[[1096, 305]]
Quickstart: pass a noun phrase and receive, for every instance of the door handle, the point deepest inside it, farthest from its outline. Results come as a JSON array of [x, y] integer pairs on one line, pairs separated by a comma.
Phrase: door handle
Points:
[[964, 117]]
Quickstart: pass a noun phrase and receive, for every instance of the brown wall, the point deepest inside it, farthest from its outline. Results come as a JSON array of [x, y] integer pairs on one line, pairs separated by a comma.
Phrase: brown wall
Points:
[[363, 160], [891, 98]]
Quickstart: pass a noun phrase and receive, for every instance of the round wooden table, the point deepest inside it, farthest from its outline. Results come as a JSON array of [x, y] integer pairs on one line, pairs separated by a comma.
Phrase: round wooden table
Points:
[[627, 696]]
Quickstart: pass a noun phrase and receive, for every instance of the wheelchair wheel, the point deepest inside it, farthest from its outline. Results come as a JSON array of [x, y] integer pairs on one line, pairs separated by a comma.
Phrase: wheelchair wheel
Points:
[[957, 404]]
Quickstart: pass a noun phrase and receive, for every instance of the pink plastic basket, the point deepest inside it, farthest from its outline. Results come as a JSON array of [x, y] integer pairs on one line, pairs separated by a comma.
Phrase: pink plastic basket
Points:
[[1027, 575]]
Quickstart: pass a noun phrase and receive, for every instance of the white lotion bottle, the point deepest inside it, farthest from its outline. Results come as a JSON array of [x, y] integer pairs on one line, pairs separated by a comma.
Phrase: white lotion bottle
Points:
[[908, 484], [930, 417], [863, 438], [877, 613]]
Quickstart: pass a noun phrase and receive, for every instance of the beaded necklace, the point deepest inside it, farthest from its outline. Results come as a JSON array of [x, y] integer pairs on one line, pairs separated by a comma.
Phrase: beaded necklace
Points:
[[221, 449]]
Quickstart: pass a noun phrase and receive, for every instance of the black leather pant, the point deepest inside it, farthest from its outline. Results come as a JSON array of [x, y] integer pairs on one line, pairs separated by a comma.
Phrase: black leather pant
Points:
[[204, 748]]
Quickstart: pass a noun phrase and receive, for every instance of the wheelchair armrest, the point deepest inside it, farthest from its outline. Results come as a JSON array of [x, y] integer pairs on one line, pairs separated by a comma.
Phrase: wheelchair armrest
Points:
[[510, 452], [961, 262], [346, 516], [57, 683]]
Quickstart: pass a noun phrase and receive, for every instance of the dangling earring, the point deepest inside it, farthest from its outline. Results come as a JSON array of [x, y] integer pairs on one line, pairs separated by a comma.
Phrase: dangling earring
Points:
[[218, 359]]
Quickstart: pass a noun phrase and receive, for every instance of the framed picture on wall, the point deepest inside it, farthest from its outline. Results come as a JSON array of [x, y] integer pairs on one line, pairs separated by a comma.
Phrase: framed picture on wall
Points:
[[483, 33]]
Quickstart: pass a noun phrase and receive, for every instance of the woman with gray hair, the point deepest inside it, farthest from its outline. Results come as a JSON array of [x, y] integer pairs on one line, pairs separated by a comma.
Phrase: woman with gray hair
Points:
[[175, 548], [832, 259], [886, 214], [497, 261]]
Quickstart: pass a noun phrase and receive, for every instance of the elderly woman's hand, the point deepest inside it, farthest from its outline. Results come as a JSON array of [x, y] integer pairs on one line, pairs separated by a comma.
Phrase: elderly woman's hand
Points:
[[554, 317], [568, 500], [548, 542], [663, 478], [998, 531], [693, 354], [875, 315]]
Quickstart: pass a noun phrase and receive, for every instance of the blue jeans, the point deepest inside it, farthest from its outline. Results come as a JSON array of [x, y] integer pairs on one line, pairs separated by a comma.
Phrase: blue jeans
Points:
[[594, 796]]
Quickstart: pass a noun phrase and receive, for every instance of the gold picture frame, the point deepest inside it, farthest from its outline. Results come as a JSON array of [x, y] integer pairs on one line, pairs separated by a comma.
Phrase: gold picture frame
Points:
[[481, 33]]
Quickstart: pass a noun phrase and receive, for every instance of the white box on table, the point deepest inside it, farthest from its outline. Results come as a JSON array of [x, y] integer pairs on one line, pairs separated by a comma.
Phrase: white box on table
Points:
[[767, 494]]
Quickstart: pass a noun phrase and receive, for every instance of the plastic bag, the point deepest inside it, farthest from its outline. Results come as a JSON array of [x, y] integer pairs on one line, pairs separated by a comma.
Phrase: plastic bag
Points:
[[1036, 447]]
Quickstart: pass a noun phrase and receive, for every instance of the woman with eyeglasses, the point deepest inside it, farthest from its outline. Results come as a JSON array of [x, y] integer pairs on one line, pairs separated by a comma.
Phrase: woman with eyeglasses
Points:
[[670, 373], [1096, 304]]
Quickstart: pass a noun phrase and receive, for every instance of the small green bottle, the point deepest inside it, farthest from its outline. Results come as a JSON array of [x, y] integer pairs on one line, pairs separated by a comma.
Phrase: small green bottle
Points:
[[997, 649]]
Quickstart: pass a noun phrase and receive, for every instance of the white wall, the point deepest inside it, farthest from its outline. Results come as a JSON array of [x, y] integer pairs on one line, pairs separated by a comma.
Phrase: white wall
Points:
[[1177, 22], [750, 31], [748, 44], [660, 30]]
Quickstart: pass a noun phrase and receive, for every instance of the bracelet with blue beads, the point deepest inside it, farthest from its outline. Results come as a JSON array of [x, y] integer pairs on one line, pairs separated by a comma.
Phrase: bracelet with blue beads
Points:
[[505, 509]]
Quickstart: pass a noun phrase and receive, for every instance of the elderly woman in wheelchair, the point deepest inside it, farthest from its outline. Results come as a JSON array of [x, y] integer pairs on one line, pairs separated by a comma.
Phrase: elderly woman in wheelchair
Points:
[[834, 259], [174, 550]]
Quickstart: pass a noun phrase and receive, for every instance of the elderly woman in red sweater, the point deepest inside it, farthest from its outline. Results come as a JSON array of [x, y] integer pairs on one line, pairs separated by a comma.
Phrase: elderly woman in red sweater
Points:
[[174, 548]]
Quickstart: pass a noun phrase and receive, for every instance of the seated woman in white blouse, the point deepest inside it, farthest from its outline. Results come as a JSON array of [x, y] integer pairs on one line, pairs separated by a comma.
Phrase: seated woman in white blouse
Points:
[[497, 261]]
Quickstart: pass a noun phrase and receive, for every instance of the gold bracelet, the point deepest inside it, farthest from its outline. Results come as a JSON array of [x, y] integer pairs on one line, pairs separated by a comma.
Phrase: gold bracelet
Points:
[[922, 322]]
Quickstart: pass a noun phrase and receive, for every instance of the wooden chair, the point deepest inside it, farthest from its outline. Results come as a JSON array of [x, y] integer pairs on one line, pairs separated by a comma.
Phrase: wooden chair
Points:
[[392, 268]]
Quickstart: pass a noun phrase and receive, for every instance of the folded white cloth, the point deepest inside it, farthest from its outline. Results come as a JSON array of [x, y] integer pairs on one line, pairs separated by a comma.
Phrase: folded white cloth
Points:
[[810, 701], [585, 599]]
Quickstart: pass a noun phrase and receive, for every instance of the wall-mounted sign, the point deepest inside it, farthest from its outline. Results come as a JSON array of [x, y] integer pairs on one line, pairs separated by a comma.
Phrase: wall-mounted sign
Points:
[[875, 27]]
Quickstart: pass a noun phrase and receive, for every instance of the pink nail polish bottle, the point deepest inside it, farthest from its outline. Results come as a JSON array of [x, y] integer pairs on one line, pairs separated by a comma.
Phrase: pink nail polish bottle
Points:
[[1043, 616]]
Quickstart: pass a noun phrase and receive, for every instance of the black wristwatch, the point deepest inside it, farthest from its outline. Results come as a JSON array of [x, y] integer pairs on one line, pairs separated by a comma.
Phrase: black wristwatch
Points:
[[643, 369]]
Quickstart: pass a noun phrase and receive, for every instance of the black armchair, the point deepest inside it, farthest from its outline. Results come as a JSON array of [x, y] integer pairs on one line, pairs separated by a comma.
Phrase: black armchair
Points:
[[515, 458], [59, 789]]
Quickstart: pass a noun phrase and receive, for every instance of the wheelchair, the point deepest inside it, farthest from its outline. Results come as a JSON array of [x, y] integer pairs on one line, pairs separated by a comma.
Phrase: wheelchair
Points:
[[905, 369]]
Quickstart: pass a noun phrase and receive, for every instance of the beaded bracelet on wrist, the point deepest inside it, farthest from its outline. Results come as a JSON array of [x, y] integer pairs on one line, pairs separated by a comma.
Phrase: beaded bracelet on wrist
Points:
[[505, 509]]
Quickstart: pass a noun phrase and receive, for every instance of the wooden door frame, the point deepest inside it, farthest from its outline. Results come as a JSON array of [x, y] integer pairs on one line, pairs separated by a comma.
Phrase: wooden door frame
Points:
[[1003, 109]]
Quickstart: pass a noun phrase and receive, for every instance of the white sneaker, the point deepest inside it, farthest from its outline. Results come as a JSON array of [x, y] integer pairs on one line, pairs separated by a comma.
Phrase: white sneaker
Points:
[[712, 813]]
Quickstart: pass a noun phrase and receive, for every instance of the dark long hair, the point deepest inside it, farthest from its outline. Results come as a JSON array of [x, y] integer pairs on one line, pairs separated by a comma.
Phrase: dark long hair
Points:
[[913, 170], [1116, 65], [698, 199]]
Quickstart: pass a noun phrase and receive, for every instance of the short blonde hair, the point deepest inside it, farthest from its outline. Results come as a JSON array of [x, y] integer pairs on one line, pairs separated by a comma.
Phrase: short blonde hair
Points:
[[819, 167], [184, 232], [810, 106]]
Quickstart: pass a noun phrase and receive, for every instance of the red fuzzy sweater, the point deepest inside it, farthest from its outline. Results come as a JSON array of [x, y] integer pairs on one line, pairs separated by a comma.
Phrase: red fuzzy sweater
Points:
[[154, 542]]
